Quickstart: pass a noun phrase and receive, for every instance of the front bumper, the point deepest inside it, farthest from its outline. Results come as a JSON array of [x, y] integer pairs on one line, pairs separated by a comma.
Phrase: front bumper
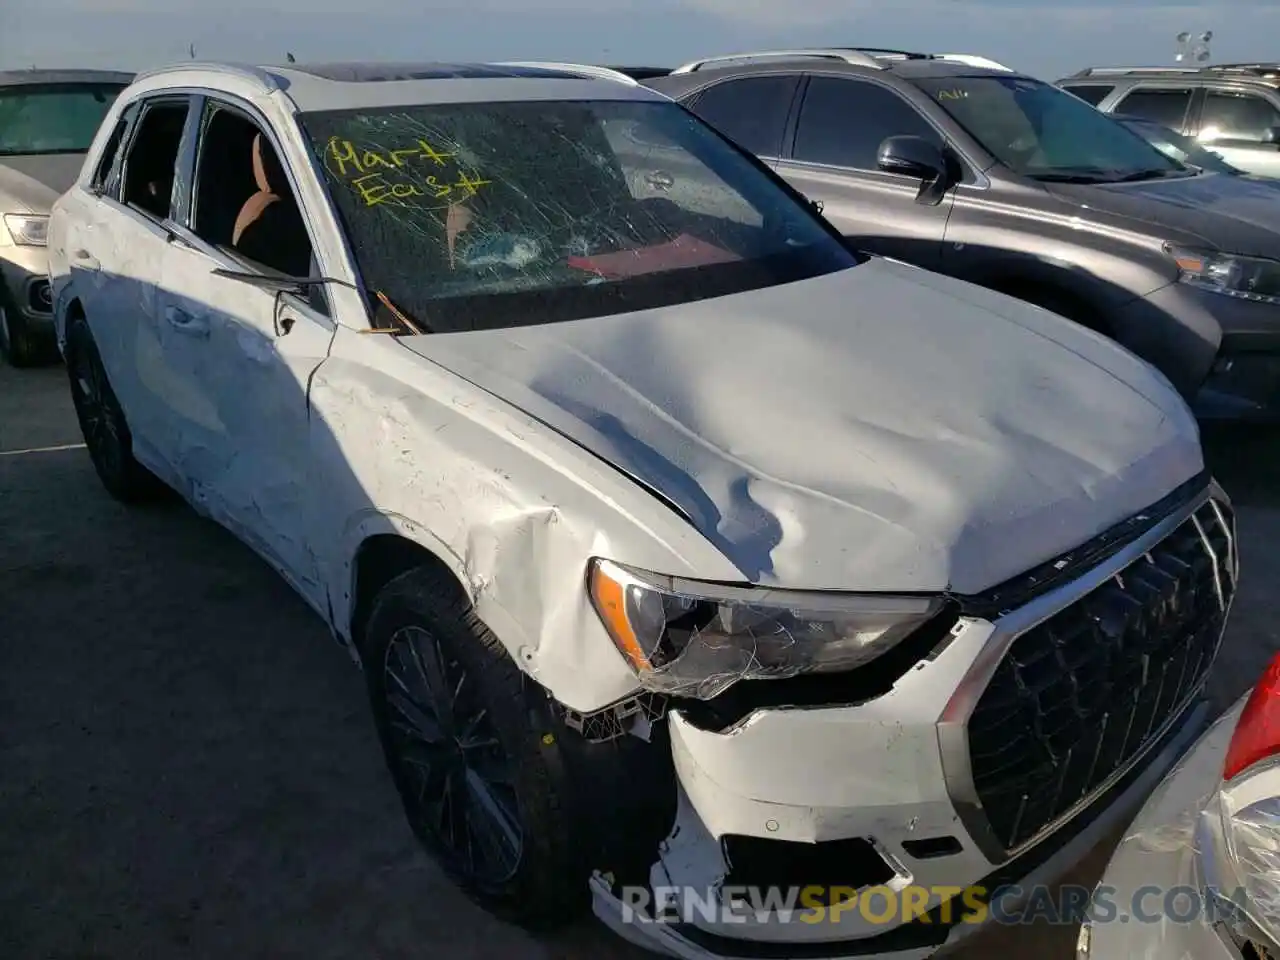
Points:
[[24, 276], [881, 796], [1229, 347], [942, 927]]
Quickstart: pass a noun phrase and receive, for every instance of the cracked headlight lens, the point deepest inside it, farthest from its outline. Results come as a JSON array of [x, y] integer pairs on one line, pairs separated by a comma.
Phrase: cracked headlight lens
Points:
[[695, 639], [27, 229], [1246, 278]]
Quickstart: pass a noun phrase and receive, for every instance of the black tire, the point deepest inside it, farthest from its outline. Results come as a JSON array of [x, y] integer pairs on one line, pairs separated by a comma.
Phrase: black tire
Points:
[[102, 422], [19, 345], [541, 882]]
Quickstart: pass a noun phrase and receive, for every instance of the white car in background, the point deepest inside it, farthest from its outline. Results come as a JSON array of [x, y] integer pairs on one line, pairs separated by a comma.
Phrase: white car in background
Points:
[[1198, 874], [681, 545], [48, 119]]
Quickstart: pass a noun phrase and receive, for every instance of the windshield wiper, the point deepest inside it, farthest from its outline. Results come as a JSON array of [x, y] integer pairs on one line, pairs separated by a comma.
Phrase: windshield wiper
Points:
[[1071, 177], [1099, 176], [1137, 175]]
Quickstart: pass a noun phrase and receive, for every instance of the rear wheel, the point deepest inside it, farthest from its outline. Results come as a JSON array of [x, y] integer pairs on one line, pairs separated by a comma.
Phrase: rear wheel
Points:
[[102, 422], [472, 746]]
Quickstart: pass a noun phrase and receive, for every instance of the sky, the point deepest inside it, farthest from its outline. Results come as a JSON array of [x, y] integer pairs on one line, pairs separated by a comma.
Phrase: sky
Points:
[[1046, 38]]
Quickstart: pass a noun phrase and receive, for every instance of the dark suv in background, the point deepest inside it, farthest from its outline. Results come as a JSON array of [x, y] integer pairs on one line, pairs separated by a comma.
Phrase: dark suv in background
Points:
[[1234, 109], [1003, 180]]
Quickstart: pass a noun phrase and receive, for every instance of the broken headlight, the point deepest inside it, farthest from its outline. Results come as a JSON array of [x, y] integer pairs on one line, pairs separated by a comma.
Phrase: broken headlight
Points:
[[688, 638], [1245, 278]]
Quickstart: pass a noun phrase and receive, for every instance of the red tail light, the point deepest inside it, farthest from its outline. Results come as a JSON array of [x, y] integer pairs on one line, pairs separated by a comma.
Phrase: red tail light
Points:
[[1257, 735]]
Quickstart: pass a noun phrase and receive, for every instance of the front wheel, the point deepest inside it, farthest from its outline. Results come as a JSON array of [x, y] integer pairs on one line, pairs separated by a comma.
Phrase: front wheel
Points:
[[102, 422], [472, 747]]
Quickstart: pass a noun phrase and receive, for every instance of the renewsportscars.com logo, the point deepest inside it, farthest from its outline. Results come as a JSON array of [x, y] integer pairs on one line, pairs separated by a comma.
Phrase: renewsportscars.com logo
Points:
[[1068, 904]]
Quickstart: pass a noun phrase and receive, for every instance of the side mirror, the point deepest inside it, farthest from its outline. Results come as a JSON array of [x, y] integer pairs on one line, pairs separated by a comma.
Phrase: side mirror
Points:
[[1272, 136], [912, 157]]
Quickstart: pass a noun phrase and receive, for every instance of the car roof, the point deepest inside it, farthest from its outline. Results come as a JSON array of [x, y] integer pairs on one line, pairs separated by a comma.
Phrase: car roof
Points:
[[912, 68], [21, 78], [369, 84]]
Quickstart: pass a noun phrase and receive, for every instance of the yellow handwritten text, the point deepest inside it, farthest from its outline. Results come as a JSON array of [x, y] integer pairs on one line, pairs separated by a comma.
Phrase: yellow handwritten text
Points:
[[400, 176]]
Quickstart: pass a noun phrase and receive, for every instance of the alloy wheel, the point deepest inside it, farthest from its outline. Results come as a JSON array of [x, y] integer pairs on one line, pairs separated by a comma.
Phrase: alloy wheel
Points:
[[458, 780], [98, 414]]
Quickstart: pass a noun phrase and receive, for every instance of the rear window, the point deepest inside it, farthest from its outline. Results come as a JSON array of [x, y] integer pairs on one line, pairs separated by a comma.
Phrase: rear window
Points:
[[474, 216], [1091, 93], [52, 118]]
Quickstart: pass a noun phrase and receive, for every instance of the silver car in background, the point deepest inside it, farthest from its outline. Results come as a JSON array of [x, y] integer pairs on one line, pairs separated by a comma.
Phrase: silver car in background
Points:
[[1232, 108], [48, 119]]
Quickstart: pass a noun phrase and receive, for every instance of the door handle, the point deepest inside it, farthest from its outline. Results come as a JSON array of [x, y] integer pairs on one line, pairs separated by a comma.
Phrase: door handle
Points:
[[85, 259], [185, 322]]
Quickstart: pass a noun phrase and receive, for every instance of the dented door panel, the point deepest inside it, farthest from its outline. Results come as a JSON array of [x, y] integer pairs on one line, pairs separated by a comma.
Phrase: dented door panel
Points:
[[237, 398]]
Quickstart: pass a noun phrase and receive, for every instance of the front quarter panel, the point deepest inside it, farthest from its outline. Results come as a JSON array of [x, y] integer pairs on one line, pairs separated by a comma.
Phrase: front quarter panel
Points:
[[1022, 240], [1013, 231], [512, 508], [59, 263]]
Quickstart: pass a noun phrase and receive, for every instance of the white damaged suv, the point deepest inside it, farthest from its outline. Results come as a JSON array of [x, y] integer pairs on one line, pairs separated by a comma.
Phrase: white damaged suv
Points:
[[683, 548]]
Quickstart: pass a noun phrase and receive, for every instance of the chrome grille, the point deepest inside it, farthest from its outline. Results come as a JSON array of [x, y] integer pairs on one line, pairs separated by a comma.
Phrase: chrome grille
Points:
[[1078, 697]]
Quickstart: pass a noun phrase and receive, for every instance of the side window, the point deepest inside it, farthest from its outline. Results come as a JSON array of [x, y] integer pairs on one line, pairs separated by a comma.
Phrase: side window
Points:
[[752, 111], [242, 201], [152, 158], [1166, 106], [1091, 93], [1244, 117], [843, 122], [108, 170]]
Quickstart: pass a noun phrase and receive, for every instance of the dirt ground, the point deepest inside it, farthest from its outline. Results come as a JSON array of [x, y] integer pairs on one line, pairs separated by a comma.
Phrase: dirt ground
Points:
[[187, 769]]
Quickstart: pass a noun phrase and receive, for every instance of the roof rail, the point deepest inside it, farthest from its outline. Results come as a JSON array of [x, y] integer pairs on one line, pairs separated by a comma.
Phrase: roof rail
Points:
[[887, 53], [969, 59], [1267, 70], [259, 75], [845, 55], [640, 73], [1123, 71], [582, 69], [972, 60]]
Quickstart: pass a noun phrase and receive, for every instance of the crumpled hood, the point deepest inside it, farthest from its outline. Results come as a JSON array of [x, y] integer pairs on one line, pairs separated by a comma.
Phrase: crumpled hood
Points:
[[881, 428], [32, 184], [1233, 214]]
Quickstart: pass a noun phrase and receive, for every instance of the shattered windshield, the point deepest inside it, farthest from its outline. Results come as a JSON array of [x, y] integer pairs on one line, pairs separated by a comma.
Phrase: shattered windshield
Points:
[[483, 215], [53, 118], [1044, 133]]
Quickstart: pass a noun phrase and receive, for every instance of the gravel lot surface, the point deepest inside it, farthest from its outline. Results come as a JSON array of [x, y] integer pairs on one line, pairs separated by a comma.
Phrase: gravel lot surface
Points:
[[187, 768]]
